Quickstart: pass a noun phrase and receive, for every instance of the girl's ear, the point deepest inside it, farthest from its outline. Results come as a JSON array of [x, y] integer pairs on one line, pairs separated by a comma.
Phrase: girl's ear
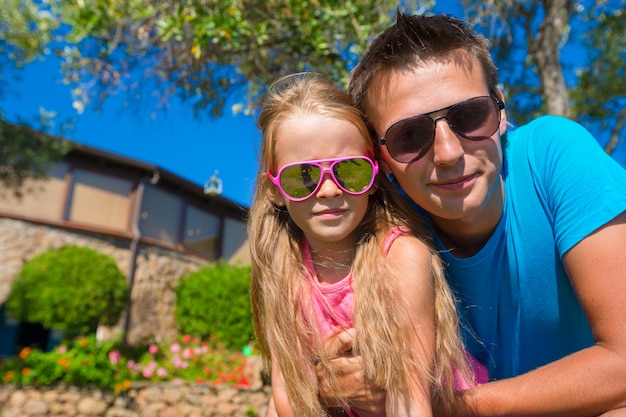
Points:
[[275, 195], [375, 186]]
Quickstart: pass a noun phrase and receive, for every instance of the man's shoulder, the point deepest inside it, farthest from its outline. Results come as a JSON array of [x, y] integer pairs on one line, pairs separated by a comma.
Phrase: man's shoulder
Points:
[[546, 135], [547, 124]]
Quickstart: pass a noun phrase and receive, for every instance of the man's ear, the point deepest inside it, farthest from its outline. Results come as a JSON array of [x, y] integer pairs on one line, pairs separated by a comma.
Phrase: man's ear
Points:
[[275, 195], [503, 122]]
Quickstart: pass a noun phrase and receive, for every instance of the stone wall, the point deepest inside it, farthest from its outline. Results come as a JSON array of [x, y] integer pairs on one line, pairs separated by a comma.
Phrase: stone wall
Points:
[[157, 272], [142, 400]]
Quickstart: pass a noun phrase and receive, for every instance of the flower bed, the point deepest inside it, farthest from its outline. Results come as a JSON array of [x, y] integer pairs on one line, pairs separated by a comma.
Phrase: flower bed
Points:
[[88, 362]]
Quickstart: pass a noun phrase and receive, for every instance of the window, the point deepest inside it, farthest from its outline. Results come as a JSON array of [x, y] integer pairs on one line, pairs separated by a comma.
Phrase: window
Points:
[[44, 199], [161, 215], [100, 200], [235, 234], [202, 231]]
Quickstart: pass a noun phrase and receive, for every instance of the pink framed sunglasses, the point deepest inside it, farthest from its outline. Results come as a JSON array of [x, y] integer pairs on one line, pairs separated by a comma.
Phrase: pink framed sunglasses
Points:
[[300, 180]]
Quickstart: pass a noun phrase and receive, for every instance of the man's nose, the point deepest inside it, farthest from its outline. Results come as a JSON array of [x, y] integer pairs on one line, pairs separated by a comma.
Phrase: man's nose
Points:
[[447, 146]]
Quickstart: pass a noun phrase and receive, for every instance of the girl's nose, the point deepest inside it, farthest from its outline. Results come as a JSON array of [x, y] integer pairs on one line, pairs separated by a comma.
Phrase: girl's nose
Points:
[[328, 188]]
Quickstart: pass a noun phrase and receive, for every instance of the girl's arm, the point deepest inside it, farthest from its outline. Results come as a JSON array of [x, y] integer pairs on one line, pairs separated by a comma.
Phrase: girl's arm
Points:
[[280, 405], [409, 262], [271, 408]]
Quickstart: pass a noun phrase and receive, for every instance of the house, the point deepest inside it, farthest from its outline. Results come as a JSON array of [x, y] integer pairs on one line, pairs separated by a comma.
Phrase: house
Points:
[[156, 225]]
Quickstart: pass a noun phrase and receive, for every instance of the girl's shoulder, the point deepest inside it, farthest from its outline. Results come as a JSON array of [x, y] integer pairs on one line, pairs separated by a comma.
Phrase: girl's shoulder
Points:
[[409, 262], [400, 245]]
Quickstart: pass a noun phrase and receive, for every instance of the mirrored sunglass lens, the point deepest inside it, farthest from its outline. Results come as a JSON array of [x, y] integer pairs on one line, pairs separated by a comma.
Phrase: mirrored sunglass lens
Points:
[[353, 174], [475, 119], [408, 139], [299, 181]]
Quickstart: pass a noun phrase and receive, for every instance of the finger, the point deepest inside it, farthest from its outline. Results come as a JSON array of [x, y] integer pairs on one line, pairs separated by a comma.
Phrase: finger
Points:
[[340, 343], [349, 374], [343, 367]]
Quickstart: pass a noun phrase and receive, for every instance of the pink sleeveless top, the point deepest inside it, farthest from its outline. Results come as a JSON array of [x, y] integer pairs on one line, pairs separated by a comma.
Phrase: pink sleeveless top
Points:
[[332, 306]]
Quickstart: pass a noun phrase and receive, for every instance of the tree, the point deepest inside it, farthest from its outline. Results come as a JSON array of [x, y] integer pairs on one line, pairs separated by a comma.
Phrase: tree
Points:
[[533, 33], [209, 51], [600, 96], [26, 153], [201, 50]]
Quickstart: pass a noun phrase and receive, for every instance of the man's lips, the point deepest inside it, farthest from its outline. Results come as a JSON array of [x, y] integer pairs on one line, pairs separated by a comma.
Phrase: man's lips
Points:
[[454, 183]]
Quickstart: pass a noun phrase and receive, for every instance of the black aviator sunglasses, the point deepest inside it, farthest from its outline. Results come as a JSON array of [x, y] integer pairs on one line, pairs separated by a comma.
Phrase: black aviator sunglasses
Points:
[[476, 119]]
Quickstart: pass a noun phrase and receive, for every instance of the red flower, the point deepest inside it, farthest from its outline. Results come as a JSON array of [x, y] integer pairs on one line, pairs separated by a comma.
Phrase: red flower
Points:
[[24, 352]]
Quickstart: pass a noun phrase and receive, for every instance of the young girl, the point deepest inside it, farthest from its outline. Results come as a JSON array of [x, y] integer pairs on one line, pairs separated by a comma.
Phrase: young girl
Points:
[[334, 247]]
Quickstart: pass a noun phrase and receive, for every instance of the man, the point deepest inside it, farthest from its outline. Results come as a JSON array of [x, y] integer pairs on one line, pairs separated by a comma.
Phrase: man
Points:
[[532, 228]]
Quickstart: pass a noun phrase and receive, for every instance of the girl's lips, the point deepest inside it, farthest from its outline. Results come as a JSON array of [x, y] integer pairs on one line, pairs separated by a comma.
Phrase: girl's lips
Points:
[[330, 213]]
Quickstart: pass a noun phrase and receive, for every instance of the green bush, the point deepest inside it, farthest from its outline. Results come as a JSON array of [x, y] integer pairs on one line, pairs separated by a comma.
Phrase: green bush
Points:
[[214, 301], [71, 289]]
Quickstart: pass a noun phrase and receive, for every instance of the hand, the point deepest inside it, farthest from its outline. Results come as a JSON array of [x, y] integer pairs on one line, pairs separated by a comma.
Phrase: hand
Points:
[[449, 410], [364, 397]]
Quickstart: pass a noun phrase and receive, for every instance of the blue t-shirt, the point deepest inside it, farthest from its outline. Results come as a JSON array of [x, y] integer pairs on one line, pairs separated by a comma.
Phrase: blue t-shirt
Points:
[[517, 306]]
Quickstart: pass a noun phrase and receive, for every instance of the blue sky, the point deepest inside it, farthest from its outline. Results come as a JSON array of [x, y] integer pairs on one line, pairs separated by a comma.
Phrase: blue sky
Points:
[[176, 141]]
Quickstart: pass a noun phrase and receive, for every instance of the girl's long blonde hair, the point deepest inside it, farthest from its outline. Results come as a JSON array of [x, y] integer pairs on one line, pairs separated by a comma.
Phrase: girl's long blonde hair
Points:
[[282, 311]]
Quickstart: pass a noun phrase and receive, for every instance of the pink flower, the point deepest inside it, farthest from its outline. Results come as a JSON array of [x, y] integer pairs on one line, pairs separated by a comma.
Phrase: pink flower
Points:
[[175, 348], [115, 356], [148, 370], [153, 349], [179, 363], [187, 353], [161, 372]]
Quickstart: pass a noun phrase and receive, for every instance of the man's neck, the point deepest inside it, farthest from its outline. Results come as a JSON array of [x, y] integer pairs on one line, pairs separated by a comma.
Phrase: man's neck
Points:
[[462, 242], [465, 237]]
